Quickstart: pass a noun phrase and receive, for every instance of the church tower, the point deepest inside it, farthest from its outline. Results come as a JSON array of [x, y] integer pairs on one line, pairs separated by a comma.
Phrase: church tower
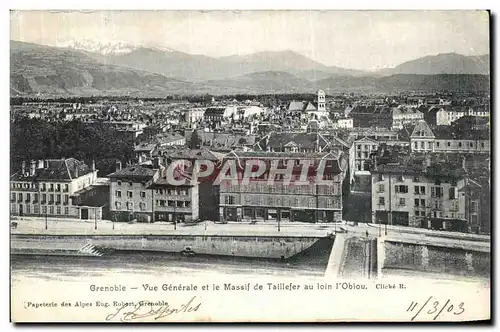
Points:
[[321, 101]]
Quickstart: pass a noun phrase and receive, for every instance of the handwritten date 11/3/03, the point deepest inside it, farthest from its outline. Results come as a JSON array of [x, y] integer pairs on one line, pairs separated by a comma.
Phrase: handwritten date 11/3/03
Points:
[[435, 308]]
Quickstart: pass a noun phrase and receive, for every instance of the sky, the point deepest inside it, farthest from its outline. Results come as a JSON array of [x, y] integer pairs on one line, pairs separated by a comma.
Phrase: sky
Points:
[[366, 40]]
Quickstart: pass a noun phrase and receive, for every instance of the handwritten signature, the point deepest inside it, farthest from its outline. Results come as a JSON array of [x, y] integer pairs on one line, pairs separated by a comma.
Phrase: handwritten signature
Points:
[[144, 309], [435, 308]]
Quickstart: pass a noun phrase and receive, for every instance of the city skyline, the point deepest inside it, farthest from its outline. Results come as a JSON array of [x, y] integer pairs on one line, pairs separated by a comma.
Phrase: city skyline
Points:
[[387, 38]]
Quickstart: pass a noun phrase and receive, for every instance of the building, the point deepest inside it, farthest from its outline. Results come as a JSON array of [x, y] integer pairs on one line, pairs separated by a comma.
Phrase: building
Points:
[[174, 203], [142, 193], [92, 202], [309, 110], [446, 115], [129, 197], [452, 140], [405, 115], [344, 123], [420, 136], [364, 148], [44, 188], [420, 193], [263, 200]]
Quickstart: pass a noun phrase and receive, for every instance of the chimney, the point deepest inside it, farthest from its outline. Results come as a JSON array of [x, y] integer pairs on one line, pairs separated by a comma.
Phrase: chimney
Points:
[[118, 165], [93, 165], [76, 170], [33, 168], [463, 163], [23, 168], [41, 164]]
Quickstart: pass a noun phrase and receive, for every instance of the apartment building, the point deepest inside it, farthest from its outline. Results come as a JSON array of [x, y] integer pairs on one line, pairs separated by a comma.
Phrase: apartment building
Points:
[[263, 200], [419, 135], [45, 187], [364, 147], [420, 193], [142, 193], [405, 115]]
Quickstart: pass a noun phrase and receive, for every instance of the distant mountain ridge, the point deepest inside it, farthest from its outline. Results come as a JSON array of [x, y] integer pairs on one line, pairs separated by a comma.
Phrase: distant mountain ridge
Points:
[[153, 71]]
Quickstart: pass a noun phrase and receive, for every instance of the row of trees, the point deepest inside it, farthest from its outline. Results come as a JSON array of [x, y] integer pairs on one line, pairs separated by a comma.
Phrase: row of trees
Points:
[[35, 139]]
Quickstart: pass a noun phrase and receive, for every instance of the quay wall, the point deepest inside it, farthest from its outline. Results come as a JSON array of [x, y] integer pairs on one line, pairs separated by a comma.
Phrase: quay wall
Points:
[[438, 259], [280, 247]]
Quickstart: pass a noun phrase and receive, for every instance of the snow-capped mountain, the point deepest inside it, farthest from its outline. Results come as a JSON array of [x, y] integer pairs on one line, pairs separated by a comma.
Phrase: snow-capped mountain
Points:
[[106, 47]]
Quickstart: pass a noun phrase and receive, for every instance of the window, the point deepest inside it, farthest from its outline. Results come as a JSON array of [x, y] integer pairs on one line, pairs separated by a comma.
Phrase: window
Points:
[[58, 210], [35, 198], [130, 205], [66, 199], [180, 204], [58, 198], [28, 197], [58, 187], [36, 209], [20, 197], [143, 194], [118, 205], [437, 144], [422, 190], [415, 145], [482, 144], [142, 206], [402, 201], [402, 189], [44, 198], [118, 193], [66, 210], [459, 144], [422, 202], [13, 196], [381, 188], [381, 201], [129, 194], [359, 147], [51, 188], [130, 184], [229, 200], [119, 182], [429, 145], [417, 213], [28, 208], [470, 144], [422, 144], [417, 202], [436, 192], [51, 210], [66, 187], [417, 190], [44, 209], [452, 192], [449, 144]]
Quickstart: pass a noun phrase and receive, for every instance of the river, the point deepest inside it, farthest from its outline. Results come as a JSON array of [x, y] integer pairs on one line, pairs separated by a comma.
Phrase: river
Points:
[[66, 268]]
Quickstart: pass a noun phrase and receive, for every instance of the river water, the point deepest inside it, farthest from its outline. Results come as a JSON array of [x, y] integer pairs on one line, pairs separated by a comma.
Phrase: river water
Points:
[[66, 268]]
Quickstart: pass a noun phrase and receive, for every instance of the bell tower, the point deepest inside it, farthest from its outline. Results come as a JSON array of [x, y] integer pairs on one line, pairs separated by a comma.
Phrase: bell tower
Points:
[[321, 101]]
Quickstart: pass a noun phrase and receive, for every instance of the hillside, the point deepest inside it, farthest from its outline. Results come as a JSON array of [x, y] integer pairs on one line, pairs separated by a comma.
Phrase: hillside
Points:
[[447, 63], [266, 82], [37, 69], [406, 82], [52, 71]]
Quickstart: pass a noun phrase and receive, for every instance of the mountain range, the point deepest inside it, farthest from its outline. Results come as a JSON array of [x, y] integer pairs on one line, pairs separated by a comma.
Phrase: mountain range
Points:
[[85, 68]]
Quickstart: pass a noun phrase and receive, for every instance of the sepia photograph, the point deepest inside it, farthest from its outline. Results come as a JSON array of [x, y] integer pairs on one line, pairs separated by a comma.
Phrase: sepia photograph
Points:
[[250, 166]]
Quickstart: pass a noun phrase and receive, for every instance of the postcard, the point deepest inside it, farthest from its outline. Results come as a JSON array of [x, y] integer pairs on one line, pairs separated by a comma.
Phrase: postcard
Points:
[[250, 166]]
